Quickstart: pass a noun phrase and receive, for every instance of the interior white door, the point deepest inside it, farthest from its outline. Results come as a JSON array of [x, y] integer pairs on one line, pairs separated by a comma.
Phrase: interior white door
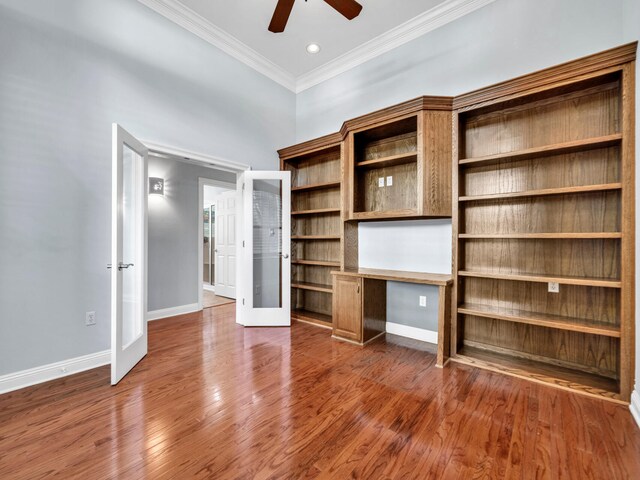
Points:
[[128, 257], [225, 244], [266, 239]]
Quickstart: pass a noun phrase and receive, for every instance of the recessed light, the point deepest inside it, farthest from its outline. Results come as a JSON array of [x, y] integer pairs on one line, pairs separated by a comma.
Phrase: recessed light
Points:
[[313, 48]]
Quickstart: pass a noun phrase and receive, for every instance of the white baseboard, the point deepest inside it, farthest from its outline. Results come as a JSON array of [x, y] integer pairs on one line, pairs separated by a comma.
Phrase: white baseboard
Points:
[[412, 332], [33, 376], [208, 287], [172, 311], [635, 406]]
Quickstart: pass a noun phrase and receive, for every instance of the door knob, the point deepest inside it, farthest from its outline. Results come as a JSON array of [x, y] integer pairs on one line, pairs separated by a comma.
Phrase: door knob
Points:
[[285, 255], [124, 265]]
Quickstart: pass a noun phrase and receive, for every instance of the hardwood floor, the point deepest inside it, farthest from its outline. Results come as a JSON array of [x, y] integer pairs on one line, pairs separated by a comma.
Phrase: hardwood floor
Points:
[[214, 400], [210, 299]]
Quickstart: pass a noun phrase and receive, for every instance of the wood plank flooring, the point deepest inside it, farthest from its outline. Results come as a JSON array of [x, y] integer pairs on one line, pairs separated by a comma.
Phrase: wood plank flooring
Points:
[[210, 299], [214, 400]]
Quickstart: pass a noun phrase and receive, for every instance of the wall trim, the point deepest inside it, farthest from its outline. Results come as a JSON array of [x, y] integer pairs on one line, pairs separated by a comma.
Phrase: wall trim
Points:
[[634, 406], [432, 19], [198, 25], [412, 332], [172, 311], [52, 371], [424, 23]]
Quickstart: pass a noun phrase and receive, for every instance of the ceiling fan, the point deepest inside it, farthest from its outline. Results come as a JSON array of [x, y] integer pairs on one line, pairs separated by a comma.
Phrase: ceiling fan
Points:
[[349, 8]]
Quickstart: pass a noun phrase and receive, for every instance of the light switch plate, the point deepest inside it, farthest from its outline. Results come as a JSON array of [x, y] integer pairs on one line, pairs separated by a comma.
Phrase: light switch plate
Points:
[[423, 301], [381, 182], [554, 287], [389, 181]]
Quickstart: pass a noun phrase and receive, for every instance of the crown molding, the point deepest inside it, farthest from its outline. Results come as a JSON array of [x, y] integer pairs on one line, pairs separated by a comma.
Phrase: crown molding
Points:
[[430, 20], [196, 24], [438, 16]]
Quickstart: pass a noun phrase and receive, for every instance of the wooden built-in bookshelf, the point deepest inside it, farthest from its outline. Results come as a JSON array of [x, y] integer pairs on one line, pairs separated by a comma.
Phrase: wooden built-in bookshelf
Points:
[[544, 193], [316, 222], [398, 162]]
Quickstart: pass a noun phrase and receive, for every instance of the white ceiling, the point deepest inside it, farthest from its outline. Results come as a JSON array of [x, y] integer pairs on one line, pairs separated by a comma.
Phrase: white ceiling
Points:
[[310, 21], [240, 28]]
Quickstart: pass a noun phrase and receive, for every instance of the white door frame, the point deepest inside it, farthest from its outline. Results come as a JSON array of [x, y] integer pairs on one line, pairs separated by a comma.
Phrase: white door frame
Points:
[[202, 181], [202, 160]]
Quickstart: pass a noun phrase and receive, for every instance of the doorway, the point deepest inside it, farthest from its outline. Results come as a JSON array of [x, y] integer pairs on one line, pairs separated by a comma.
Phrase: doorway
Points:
[[218, 242]]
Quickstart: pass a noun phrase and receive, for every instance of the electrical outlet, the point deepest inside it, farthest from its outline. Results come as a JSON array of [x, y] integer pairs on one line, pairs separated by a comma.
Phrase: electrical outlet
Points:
[[381, 182], [90, 319], [554, 287], [423, 301], [389, 181]]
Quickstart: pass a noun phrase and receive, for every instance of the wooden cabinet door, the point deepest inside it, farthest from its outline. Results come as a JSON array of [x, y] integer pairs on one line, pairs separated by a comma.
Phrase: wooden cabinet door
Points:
[[347, 307]]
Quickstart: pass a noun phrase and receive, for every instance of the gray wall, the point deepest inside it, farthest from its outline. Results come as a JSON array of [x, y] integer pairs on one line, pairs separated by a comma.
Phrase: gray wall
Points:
[[504, 39], [68, 69], [174, 220]]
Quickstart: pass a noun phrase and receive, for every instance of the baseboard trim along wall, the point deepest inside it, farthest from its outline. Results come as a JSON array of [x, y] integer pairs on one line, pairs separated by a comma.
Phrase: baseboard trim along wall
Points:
[[45, 373], [172, 311], [635, 406], [412, 332]]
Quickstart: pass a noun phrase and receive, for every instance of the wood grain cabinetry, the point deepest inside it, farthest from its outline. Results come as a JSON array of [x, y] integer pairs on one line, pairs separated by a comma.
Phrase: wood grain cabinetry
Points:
[[398, 161], [316, 225], [347, 305], [543, 201], [360, 304], [360, 308], [541, 192]]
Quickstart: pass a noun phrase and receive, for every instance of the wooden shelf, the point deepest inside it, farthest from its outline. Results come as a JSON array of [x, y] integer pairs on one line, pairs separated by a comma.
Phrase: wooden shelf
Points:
[[315, 237], [541, 319], [566, 378], [389, 161], [547, 150], [544, 192], [316, 186], [317, 263], [316, 211], [542, 236], [316, 287], [439, 279], [565, 280], [387, 214], [312, 317]]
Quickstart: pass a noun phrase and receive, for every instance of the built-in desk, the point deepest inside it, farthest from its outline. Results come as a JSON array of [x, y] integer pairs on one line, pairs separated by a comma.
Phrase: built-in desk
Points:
[[360, 304]]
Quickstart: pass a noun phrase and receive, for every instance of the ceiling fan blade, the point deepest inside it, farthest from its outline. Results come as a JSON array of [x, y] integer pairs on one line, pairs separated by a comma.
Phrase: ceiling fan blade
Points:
[[349, 8], [281, 16]]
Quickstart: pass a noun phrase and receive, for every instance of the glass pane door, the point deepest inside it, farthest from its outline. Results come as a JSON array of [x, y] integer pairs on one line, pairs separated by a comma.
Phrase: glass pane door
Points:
[[266, 272]]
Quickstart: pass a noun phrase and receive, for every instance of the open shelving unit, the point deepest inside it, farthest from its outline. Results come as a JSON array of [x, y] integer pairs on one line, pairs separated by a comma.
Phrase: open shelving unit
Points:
[[543, 195], [316, 216], [398, 162]]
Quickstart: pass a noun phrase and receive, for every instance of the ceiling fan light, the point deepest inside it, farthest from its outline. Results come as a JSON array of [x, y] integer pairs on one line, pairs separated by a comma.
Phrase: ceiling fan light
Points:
[[313, 48]]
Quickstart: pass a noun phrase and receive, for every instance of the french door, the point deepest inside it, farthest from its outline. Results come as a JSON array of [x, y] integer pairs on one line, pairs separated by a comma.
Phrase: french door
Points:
[[128, 257], [265, 283]]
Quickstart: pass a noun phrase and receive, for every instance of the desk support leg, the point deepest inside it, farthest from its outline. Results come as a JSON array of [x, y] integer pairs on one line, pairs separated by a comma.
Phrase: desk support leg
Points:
[[444, 325]]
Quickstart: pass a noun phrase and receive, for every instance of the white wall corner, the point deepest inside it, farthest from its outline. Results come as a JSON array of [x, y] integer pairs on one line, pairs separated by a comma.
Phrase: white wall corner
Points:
[[45, 373], [172, 311], [412, 332], [432, 19], [198, 25], [635, 405]]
